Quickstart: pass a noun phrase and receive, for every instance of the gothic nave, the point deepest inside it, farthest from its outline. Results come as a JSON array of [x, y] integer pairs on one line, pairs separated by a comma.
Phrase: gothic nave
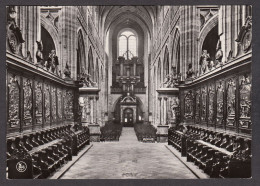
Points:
[[119, 92]]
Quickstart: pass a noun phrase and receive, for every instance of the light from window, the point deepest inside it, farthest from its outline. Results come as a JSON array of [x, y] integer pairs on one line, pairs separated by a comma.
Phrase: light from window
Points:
[[132, 44], [127, 44], [122, 45]]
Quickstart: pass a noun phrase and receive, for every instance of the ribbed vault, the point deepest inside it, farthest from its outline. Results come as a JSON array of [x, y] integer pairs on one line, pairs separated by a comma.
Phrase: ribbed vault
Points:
[[143, 15]]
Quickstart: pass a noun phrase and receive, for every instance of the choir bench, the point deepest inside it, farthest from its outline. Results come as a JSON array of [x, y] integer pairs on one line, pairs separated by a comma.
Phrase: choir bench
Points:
[[219, 154], [41, 153]]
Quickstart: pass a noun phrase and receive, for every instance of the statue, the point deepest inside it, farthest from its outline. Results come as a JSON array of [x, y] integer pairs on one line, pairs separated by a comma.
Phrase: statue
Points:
[[174, 107], [170, 81], [179, 77], [190, 71], [67, 72], [14, 37], [211, 65], [219, 55], [39, 56], [197, 73], [52, 62], [86, 78], [204, 60]]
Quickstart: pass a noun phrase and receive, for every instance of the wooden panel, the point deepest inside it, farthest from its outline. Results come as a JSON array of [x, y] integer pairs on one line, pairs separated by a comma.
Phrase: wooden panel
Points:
[[27, 121], [68, 105], [211, 104], [53, 105], [188, 106], [220, 104], [231, 103], [38, 102], [59, 105], [204, 105], [47, 105], [245, 103], [197, 106], [222, 101], [13, 103]]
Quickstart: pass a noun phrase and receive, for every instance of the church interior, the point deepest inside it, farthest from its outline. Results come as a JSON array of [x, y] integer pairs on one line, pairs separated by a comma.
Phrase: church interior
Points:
[[128, 92]]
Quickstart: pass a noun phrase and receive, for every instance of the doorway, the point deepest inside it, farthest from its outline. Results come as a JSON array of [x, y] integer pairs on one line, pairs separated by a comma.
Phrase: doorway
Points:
[[128, 117]]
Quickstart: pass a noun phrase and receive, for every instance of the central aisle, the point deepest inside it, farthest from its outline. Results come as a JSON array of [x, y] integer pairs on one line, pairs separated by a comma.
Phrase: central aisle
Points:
[[127, 159], [128, 136]]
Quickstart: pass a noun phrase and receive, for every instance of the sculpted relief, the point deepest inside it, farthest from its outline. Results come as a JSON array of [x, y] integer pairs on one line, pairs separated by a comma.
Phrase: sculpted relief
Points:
[[211, 92], [174, 108], [197, 107], [39, 102], [13, 101], [245, 101], [47, 105], [203, 104], [188, 107], [53, 105], [27, 89], [231, 102], [59, 104], [220, 101], [68, 104]]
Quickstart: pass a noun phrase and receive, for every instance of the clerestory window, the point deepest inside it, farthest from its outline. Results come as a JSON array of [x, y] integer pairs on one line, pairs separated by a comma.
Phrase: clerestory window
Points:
[[127, 44]]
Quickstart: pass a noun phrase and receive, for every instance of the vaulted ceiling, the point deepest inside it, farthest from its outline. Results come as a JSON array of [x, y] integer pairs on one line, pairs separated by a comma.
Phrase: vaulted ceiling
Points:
[[142, 15]]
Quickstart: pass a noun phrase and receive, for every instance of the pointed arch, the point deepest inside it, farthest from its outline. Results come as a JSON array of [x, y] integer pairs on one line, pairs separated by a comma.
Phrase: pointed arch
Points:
[[96, 79], [159, 74], [81, 56], [166, 64], [90, 63], [213, 22], [176, 51], [101, 73], [47, 42]]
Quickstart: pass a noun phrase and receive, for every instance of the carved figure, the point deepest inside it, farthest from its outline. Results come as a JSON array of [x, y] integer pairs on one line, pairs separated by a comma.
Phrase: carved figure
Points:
[[14, 36], [179, 77], [190, 71], [211, 65], [245, 37], [170, 80], [219, 55], [174, 107], [245, 83], [86, 78], [67, 72], [39, 56], [204, 60], [52, 62]]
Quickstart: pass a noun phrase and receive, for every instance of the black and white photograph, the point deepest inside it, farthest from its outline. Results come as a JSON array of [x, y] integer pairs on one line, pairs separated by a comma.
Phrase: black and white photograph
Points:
[[128, 92]]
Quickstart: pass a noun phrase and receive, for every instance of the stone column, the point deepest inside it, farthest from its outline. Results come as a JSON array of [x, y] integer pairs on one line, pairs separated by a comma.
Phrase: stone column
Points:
[[91, 110], [96, 107], [160, 103], [132, 87], [162, 111], [88, 110], [165, 111]]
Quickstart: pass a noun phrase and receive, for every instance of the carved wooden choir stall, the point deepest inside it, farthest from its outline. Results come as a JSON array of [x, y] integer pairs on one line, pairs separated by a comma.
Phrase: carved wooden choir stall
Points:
[[44, 129], [215, 129]]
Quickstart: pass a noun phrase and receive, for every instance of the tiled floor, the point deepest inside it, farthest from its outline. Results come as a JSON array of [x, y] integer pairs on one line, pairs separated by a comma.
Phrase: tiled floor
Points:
[[128, 159]]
